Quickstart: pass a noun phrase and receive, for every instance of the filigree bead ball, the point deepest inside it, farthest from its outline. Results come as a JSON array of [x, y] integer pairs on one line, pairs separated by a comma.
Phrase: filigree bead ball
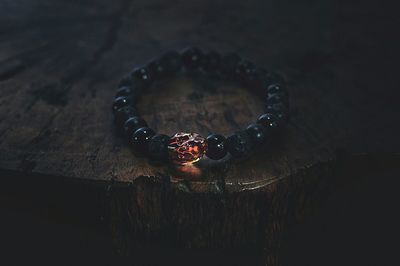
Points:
[[185, 148]]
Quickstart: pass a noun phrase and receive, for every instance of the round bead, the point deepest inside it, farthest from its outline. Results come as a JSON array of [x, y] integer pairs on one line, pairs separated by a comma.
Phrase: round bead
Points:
[[124, 91], [132, 93], [158, 147], [281, 115], [216, 149], [270, 78], [273, 98], [239, 144], [123, 114], [141, 75], [126, 81], [277, 108], [245, 71], [140, 139], [211, 62], [186, 148], [172, 62], [120, 102], [276, 88], [269, 121], [257, 133], [192, 58], [228, 64], [157, 69], [133, 123]]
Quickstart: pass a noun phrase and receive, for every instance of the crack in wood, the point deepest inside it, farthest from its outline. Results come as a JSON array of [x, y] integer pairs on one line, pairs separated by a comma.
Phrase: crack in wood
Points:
[[45, 132]]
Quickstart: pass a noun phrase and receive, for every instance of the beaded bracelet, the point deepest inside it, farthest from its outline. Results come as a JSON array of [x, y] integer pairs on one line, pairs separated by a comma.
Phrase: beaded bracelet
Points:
[[187, 148]]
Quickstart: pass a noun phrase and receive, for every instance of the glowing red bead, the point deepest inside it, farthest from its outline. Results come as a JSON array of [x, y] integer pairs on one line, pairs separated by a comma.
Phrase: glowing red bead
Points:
[[186, 148]]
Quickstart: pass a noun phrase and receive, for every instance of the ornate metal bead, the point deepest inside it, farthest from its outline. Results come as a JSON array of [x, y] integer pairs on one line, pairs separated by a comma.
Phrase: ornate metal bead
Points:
[[186, 148]]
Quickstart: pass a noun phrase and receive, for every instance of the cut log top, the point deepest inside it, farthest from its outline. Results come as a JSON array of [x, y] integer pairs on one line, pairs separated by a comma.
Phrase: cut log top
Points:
[[61, 63]]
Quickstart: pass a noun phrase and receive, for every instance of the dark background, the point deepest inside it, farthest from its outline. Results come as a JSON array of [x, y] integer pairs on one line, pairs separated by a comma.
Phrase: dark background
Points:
[[357, 225]]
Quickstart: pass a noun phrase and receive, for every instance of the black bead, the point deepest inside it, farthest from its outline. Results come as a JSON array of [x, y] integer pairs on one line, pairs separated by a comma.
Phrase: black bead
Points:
[[245, 71], [132, 93], [158, 147], [269, 121], [257, 133], [228, 65], [125, 81], [140, 139], [120, 102], [277, 108], [274, 98], [283, 116], [124, 91], [276, 88], [211, 62], [239, 144], [270, 78], [129, 89], [157, 69], [215, 147], [141, 76], [172, 62], [123, 114], [192, 58], [133, 123]]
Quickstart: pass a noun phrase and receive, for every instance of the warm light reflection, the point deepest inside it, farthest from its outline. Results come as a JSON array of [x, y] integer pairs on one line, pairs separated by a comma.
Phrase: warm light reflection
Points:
[[189, 169]]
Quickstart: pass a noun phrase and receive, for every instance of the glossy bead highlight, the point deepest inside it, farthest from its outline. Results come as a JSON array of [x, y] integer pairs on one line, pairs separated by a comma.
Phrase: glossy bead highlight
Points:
[[133, 123], [192, 58], [124, 91], [140, 139], [269, 121], [120, 102], [157, 69], [141, 76], [123, 114], [216, 149], [257, 133], [245, 71], [239, 145]]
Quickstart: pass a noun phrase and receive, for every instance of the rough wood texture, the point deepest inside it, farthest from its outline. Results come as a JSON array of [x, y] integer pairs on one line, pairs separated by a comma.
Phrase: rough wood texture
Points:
[[61, 62]]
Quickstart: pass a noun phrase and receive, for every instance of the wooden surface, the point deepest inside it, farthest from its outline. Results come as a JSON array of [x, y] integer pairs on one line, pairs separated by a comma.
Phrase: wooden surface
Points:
[[60, 70], [61, 63]]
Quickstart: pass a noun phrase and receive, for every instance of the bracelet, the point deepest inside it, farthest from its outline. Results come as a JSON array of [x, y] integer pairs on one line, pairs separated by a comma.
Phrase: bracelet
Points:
[[187, 148]]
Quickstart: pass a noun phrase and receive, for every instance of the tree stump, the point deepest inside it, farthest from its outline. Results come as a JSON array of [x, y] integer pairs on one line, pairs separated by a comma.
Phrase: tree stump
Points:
[[60, 66]]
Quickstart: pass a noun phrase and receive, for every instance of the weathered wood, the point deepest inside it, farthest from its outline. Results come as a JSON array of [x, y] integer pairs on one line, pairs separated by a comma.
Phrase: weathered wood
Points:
[[61, 62]]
